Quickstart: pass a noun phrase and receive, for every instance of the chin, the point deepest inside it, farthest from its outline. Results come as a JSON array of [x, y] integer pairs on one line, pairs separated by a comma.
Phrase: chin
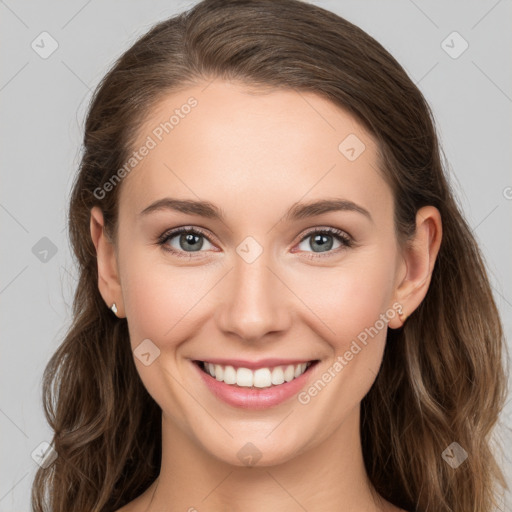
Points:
[[258, 449]]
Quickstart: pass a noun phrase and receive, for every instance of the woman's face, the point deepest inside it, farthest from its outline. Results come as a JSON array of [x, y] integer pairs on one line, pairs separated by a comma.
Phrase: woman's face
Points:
[[266, 281]]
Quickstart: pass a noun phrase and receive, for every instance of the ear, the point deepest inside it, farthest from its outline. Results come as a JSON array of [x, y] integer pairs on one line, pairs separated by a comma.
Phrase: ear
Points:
[[419, 257], [108, 275]]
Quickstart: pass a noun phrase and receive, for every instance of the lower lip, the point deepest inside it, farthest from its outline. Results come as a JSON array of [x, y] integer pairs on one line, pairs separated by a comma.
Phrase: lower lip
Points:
[[250, 398]]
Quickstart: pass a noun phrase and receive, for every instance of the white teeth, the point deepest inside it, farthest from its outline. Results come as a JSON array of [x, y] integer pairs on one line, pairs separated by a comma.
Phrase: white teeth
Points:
[[244, 377], [260, 378], [219, 372], [229, 375], [277, 375], [289, 373]]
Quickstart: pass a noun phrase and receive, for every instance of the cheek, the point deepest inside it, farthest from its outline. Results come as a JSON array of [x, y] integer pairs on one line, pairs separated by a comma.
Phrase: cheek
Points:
[[159, 300], [352, 311], [161, 304], [348, 299]]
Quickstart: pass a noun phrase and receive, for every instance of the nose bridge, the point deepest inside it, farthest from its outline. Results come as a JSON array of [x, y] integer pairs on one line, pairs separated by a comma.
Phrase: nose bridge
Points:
[[253, 302]]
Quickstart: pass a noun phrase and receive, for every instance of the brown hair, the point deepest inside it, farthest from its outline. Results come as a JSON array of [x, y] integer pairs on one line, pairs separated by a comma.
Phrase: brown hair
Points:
[[442, 378]]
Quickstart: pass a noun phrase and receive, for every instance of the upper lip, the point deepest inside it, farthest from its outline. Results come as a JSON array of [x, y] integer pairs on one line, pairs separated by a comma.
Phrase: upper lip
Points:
[[254, 365]]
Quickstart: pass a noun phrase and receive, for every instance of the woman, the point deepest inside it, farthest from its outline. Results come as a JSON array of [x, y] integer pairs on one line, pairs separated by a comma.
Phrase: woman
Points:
[[280, 304]]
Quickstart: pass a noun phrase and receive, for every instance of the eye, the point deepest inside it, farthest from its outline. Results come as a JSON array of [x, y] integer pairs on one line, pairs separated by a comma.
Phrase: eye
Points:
[[185, 240], [324, 241]]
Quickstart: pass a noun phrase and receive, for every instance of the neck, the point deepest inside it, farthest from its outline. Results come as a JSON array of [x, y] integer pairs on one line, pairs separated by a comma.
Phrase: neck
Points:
[[327, 477]]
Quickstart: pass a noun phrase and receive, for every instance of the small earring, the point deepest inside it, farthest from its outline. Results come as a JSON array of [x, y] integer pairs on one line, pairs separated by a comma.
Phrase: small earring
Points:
[[114, 308], [403, 318]]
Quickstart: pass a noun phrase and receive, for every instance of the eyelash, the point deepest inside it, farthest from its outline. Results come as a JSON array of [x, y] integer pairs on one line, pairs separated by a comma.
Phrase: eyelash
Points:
[[345, 240]]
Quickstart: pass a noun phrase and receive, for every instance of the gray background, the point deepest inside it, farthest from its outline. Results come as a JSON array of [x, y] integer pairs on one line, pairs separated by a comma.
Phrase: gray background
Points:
[[42, 106]]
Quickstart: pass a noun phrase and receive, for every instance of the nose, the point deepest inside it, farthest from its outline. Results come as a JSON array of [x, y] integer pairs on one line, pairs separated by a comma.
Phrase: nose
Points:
[[254, 302]]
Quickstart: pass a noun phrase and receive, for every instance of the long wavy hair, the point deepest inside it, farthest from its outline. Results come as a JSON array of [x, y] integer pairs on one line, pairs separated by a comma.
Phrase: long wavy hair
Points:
[[442, 377]]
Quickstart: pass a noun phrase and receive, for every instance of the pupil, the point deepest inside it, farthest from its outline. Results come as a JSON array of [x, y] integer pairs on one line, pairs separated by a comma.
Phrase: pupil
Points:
[[322, 241], [191, 239]]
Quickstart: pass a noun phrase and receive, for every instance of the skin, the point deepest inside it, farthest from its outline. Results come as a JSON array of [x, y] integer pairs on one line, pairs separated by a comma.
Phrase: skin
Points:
[[254, 156]]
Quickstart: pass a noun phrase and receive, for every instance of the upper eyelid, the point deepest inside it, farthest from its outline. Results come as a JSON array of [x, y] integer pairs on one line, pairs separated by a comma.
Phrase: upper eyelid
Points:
[[330, 230], [171, 233]]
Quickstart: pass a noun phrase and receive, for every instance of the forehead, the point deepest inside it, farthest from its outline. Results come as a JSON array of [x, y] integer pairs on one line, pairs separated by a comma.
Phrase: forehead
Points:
[[247, 149]]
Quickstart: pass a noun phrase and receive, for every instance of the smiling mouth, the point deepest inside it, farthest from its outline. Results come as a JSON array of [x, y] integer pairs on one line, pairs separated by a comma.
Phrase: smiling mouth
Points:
[[256, 379]]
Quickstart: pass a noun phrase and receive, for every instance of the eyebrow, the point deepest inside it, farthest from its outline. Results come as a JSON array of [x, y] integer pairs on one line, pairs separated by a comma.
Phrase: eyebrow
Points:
[[298, 211]]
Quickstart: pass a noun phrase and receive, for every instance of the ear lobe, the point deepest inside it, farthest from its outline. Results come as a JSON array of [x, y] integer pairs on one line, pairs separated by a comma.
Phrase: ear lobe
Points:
[[419, 258], [108, 276]]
